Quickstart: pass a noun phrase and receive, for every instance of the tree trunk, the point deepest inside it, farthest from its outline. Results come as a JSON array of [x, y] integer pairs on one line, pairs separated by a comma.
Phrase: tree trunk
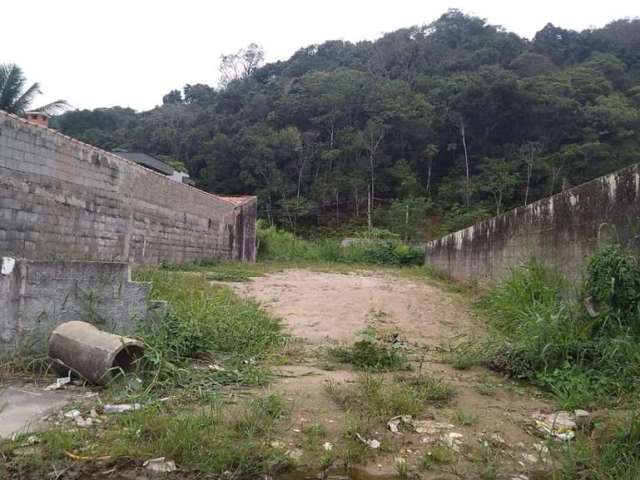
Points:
[[406, 223], [466, 162], [357, 201], [337, 209], [429, 162], [369, 219]]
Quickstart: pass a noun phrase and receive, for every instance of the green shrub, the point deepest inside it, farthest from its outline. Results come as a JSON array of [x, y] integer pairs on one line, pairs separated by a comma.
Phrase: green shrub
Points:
[[381, 248], [613, 281], [541, 332]]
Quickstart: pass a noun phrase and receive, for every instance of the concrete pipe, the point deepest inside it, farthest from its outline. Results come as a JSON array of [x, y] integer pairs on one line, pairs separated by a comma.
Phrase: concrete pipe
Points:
[[91, 353]]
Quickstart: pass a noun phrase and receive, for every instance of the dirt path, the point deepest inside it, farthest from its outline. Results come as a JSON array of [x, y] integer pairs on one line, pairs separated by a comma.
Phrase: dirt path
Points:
[[321, 307], [326, 308]]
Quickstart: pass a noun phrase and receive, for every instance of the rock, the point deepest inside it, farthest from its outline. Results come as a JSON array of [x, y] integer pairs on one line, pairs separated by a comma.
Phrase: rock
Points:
[[453, 440], [430, 427], [121, 408], [582, 418], [328, 446]]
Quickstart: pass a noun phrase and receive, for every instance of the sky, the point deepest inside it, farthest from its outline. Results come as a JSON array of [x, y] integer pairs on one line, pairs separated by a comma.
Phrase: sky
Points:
[[131, 52]]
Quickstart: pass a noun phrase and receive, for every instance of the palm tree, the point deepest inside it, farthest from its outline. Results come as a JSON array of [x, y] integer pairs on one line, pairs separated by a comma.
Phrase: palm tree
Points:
[[15, 99]]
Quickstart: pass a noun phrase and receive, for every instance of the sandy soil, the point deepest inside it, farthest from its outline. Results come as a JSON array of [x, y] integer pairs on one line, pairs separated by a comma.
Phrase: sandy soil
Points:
[[321, 308]]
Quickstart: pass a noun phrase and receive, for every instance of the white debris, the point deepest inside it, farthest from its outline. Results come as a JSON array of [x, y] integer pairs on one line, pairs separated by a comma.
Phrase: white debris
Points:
[[277, 444], [160, 465], [452, 440], [560, 425], [430, 427], [72, 414], [121, 408], [7, 265], [216, 368], [373, 443], [82, 421], [30, 440], [530, 458], [60, 383], [395, 423], [520, 477], [295, 454], [328, 446]]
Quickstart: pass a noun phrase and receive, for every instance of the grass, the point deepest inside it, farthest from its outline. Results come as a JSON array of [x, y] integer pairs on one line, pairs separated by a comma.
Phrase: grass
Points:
[[370, 353], [379, 399], [207, 325], [211, 439], [373, 400], [466, 418], [436, 456], [204, 343], [280, 245], [541, 332], [616, 454]]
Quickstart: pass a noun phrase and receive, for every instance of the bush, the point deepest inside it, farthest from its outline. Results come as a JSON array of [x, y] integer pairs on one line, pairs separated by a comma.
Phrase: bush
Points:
[[613, 282], [542, 333], [383, 248]]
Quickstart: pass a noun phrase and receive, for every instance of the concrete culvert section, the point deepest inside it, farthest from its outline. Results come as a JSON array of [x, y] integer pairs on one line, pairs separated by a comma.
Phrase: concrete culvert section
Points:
[[93, 354]]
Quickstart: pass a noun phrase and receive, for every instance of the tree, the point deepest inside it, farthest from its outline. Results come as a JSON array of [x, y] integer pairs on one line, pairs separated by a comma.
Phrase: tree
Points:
[[16, 97], [173, 97], [497, 178], [240, 65]]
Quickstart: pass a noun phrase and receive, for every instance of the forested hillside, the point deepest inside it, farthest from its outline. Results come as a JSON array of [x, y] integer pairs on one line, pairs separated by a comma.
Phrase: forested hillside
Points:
[[442, 124]]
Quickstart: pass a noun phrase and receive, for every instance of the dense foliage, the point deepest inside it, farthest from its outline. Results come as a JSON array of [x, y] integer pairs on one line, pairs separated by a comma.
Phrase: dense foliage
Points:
[[541, 330], [442, 124]]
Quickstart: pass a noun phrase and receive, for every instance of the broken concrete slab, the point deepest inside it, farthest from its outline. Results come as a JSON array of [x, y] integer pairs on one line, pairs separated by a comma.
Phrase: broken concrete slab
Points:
[[23, 406]]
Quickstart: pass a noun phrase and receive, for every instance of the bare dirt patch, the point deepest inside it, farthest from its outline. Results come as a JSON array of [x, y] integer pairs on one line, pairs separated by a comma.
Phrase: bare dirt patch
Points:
[[327, 308], [321, 306]]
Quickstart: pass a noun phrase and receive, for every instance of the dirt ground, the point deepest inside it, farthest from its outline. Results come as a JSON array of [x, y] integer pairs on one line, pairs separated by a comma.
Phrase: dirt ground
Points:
[[327, 308]]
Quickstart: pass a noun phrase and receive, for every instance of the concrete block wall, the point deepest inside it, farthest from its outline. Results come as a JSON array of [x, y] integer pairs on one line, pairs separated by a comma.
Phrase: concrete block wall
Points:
[[63, 199], [37, 296], [562, 230]]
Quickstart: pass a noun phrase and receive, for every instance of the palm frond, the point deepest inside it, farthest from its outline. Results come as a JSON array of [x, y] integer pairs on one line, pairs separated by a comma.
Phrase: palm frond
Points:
[[22, 102], [55, 108], [12, 82]]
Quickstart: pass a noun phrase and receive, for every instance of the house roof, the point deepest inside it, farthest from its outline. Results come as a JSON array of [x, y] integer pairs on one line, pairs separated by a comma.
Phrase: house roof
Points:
[[146, 160]]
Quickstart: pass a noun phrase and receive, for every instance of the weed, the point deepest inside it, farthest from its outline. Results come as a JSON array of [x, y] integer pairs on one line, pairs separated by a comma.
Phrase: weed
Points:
[[379, 399], [439, 454], [371, 353], [466, 418], [209, 323], [212, 440], [615, 456], [540, 331], [402, 468]]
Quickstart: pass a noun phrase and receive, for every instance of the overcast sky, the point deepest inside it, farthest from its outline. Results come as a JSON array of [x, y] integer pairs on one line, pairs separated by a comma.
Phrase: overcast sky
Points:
[[131, 52]]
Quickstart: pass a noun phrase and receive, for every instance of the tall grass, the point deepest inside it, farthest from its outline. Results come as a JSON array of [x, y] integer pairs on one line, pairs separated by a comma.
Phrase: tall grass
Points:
[[541, 331], [280, 245], [208, 324]]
